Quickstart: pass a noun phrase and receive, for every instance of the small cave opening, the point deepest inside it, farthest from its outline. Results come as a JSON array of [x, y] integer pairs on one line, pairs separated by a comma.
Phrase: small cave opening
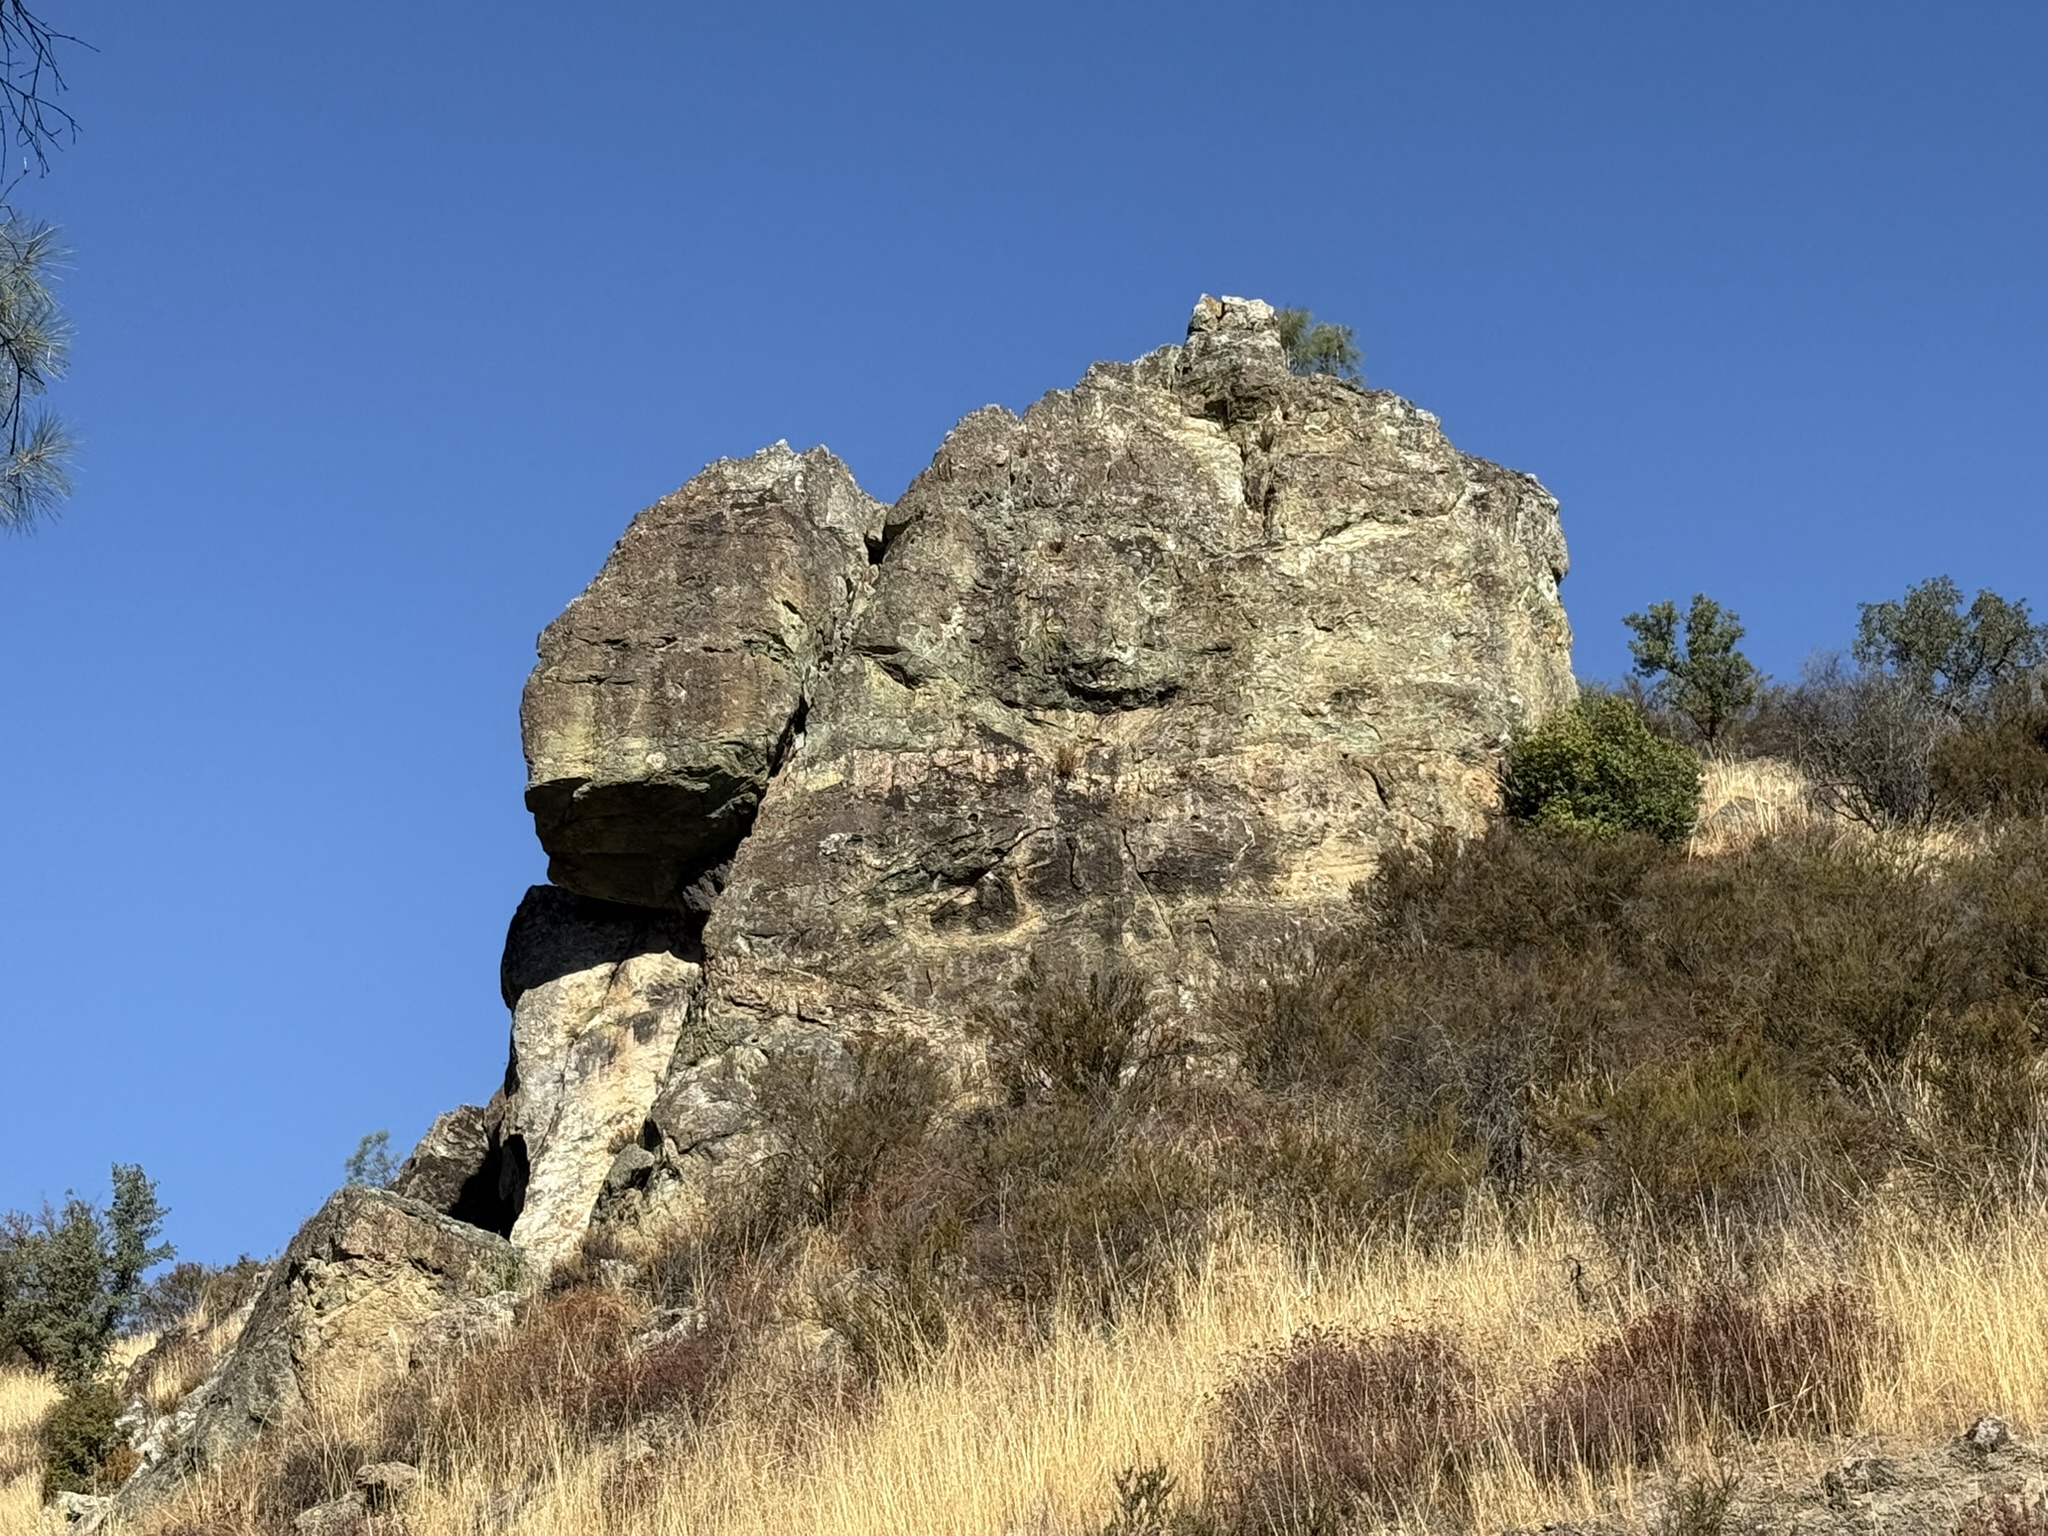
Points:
[[493, 1196]]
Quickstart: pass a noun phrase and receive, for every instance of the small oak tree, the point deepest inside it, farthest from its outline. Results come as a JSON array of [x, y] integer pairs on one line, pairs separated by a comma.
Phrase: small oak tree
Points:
[[1692, 664], [71, 1279], [1954, 655]]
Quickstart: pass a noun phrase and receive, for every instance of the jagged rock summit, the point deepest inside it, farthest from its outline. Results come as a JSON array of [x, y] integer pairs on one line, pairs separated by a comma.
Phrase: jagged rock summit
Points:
[[1157, 669]]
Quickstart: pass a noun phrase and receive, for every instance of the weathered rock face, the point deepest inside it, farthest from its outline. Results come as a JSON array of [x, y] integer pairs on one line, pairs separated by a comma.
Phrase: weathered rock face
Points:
[[1160, 667], [599, 993], [665, 694], [368, 1288]]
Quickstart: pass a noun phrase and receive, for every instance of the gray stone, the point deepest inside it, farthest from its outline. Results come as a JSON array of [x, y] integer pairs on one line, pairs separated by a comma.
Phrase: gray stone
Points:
[[452, 1154], [631, 1167], [77, 1512], [343, 1308], [1988, 1434]]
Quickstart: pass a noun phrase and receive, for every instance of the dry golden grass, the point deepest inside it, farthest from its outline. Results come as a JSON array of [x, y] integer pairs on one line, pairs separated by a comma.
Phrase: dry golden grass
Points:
[[1743, 801], [1747, 799], [1026, 1438], [26, 1398]]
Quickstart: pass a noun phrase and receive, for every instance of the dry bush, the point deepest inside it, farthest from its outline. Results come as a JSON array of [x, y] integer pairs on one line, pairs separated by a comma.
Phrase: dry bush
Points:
[[1717, 1360], [841, 1123], [1067, 1027], [1995, 768], [577, 1362], [1333, 1426]]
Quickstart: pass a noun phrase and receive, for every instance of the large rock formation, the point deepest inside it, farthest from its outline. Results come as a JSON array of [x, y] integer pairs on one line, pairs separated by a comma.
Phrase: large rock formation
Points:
[[1159, 667]]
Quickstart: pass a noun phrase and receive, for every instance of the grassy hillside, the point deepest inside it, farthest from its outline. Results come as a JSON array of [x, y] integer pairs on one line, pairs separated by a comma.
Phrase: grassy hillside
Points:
[[1562, 1179]]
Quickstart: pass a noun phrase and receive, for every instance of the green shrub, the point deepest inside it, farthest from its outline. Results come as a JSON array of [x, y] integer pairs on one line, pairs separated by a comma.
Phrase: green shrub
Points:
[[1317, 346], [80, 1439], [1597, 767]]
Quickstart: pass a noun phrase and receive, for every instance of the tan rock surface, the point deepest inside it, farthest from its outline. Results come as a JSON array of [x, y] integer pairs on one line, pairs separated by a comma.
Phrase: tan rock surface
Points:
[[599, 996], [365, 1290]]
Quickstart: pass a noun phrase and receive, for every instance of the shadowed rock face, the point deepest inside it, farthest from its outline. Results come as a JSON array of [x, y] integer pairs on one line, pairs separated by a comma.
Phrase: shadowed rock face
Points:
[[1161, 667]]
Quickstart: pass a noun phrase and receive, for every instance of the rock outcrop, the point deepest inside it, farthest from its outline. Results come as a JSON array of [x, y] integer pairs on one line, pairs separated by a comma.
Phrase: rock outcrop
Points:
[[375, 1285], [599, 993], [1159, 668], [362, 1287]]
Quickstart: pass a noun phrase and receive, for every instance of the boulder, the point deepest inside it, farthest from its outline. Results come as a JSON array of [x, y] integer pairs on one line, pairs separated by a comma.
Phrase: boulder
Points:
[[337, 1517], [345, 1306], [667, 693], [386, 1484]]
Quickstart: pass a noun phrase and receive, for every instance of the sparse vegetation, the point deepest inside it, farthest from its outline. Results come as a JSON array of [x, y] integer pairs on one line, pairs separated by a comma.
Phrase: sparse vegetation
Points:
[[1317, 346], [371, 1163]]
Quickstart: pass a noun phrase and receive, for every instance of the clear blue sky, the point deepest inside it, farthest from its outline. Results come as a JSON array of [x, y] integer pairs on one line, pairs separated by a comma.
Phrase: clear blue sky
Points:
[[391, 315]]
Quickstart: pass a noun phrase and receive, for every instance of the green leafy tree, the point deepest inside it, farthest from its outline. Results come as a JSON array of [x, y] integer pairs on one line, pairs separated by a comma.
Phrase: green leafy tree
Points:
[[371, 1162], [1941, 649], [1598, 768], [71, 1279], [1692, 664], [1316, 346]]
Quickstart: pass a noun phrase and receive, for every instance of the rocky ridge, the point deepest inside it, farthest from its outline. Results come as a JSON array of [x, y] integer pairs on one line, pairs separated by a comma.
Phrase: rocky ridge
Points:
[[1156, 669]]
